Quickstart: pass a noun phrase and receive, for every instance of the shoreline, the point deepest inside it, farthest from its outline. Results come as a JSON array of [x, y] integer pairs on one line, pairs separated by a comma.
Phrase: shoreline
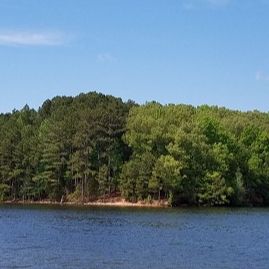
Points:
[[100, 203], [119, 203]]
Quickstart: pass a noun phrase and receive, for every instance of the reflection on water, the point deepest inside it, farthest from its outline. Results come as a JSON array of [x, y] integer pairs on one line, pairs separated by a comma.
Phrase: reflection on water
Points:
[[62, 237]]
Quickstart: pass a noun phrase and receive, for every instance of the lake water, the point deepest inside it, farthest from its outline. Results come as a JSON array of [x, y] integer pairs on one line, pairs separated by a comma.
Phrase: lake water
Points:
[[108, 238]]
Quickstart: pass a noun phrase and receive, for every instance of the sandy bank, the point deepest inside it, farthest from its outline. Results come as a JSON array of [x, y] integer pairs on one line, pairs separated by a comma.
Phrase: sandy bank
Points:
[[115, 202]]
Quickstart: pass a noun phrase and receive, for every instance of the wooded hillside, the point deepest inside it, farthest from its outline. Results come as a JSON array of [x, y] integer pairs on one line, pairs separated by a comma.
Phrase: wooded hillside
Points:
[[93, 145]]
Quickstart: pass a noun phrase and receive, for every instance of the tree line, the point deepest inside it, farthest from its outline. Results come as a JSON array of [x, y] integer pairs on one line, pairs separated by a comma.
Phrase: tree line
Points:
[[97, 146]]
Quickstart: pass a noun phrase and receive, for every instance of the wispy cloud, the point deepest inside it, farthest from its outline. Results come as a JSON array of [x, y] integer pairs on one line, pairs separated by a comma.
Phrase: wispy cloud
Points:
[[106, 58], [261, 76], [196, 4], [25, 38]]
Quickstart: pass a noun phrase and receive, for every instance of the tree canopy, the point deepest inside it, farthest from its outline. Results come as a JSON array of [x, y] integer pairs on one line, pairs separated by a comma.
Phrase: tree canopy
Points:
[[93, 145]]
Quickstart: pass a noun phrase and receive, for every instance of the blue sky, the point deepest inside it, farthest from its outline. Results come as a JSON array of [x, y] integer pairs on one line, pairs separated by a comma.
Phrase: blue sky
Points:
[[173, 51]]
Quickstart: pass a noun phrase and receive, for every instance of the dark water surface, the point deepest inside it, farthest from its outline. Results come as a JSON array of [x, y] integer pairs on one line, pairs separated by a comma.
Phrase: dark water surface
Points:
[[61, 237]]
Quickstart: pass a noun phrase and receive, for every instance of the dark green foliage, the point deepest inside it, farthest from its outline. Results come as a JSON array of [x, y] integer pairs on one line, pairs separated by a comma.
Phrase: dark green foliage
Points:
[[70, 146], [96, 146]]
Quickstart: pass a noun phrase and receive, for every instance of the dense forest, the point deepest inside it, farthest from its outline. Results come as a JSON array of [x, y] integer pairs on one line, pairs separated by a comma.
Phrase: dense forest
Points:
[[94, 146]]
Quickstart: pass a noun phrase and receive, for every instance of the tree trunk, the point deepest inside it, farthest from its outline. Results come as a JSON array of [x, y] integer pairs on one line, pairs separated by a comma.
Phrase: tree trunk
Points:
[[82, 190]]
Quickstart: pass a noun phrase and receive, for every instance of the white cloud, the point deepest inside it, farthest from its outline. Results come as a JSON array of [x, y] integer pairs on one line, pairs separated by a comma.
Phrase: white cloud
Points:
[[105, 58], [196, 4], [21, 38], [261, 76]]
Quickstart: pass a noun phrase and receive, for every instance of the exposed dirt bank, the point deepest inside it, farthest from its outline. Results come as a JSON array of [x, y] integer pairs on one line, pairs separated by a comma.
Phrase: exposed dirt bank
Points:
[[116, 202]]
